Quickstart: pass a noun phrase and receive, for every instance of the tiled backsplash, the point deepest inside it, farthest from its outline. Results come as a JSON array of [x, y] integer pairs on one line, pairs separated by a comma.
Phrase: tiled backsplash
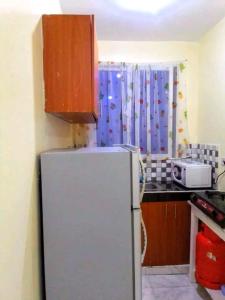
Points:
[[207, 154], [160, 170]]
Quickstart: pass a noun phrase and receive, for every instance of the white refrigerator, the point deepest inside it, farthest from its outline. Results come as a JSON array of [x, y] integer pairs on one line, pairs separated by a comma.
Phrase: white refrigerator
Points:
[[91, 223]]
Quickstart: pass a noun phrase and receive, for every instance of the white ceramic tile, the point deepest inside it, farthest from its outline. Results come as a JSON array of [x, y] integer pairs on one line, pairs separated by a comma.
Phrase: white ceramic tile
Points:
[[169, 287], [194, 146], [167, 281], [165, 270], [174, 287], [216, 295], [145, 282], [179, 293], [215, 147], [147, 294]]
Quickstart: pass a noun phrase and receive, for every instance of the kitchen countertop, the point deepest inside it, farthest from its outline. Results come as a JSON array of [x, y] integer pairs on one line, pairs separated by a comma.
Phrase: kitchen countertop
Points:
[[170, 187], [168, 191]]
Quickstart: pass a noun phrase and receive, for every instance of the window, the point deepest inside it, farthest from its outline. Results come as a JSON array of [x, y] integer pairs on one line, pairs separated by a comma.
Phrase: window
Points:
[[138, 105]]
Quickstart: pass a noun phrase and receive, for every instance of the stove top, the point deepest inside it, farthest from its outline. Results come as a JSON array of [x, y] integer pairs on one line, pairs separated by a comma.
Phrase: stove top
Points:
[[212, 203]]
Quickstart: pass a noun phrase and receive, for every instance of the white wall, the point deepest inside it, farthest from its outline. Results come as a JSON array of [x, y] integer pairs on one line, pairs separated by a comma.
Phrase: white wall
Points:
[[161, 52], [212, 87], [211, 125], [25, 130]]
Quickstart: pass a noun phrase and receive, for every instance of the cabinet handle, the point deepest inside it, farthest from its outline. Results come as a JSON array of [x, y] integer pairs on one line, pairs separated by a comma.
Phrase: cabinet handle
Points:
[[166, 210], [175, 211]]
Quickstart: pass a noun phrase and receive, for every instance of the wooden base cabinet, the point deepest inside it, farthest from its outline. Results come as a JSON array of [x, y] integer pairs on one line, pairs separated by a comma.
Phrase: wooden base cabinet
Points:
[[168, 231], [70, 67]]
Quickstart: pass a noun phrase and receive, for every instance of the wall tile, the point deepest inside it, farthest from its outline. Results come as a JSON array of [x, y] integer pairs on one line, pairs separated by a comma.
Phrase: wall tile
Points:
[[160, 170]]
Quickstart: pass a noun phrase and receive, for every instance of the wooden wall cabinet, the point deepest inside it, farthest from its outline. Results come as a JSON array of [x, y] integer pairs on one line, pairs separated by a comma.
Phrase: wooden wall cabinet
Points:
[[70, 67], [168, 230]]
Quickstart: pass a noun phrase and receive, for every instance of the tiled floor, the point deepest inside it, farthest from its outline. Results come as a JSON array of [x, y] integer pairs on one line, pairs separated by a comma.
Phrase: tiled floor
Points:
[[171, 287]]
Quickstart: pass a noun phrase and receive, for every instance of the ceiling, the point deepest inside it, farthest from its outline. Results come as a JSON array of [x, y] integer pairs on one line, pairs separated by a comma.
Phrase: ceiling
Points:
[[184, 20]]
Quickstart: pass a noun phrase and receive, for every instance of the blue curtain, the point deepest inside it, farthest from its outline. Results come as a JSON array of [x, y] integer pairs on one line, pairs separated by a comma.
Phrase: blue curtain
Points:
[[134, 107], [109, 128]]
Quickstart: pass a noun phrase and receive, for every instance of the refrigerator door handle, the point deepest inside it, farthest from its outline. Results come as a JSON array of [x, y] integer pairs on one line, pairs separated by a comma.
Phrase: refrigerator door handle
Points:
[[135, 180], [136, 213]]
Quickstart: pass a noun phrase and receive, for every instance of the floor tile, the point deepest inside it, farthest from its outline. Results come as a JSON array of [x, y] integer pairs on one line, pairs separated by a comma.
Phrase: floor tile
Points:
[[216, 294], [175, 293], [147, 294], [165, 270], [163, 281], [169, 287]]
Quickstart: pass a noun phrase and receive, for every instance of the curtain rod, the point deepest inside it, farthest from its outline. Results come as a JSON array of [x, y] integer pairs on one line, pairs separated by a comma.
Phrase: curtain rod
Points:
[[144, 63]]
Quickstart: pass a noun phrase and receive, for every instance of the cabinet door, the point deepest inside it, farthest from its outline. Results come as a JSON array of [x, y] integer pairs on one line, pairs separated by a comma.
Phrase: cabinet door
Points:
[[69, 67], [154, 216], [168, 230], [170, 236], [183, 224], [94, 68], [178, 232]]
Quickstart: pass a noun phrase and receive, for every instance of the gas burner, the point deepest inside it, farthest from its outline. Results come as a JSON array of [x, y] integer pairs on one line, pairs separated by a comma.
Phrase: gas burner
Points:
[[212, 203], [215, 194]]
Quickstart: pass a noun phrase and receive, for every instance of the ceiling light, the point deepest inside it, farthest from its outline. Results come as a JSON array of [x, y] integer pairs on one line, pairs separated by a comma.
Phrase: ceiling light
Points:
[[152, 6]]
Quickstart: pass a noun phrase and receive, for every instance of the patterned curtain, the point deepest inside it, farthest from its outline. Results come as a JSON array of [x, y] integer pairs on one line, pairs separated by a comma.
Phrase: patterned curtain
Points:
[[181, 118], [143, 105]]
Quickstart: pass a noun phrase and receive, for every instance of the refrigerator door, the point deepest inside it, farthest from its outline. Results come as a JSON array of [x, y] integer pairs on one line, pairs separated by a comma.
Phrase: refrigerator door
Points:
[[88, 225], [137, 253]]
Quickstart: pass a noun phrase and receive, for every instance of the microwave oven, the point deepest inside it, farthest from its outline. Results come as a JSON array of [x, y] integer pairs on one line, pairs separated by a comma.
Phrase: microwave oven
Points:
[[192, 174]]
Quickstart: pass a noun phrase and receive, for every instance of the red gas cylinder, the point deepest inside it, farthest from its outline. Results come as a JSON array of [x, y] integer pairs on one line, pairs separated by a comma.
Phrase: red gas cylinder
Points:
[[210, 259]]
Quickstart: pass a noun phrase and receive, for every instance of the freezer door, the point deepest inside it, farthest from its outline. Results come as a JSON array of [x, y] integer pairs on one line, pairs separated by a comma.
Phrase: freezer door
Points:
[[137, 253]]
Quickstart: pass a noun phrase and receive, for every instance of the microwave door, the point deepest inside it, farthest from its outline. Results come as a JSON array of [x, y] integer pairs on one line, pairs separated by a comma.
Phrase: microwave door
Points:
[[177, 173]]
